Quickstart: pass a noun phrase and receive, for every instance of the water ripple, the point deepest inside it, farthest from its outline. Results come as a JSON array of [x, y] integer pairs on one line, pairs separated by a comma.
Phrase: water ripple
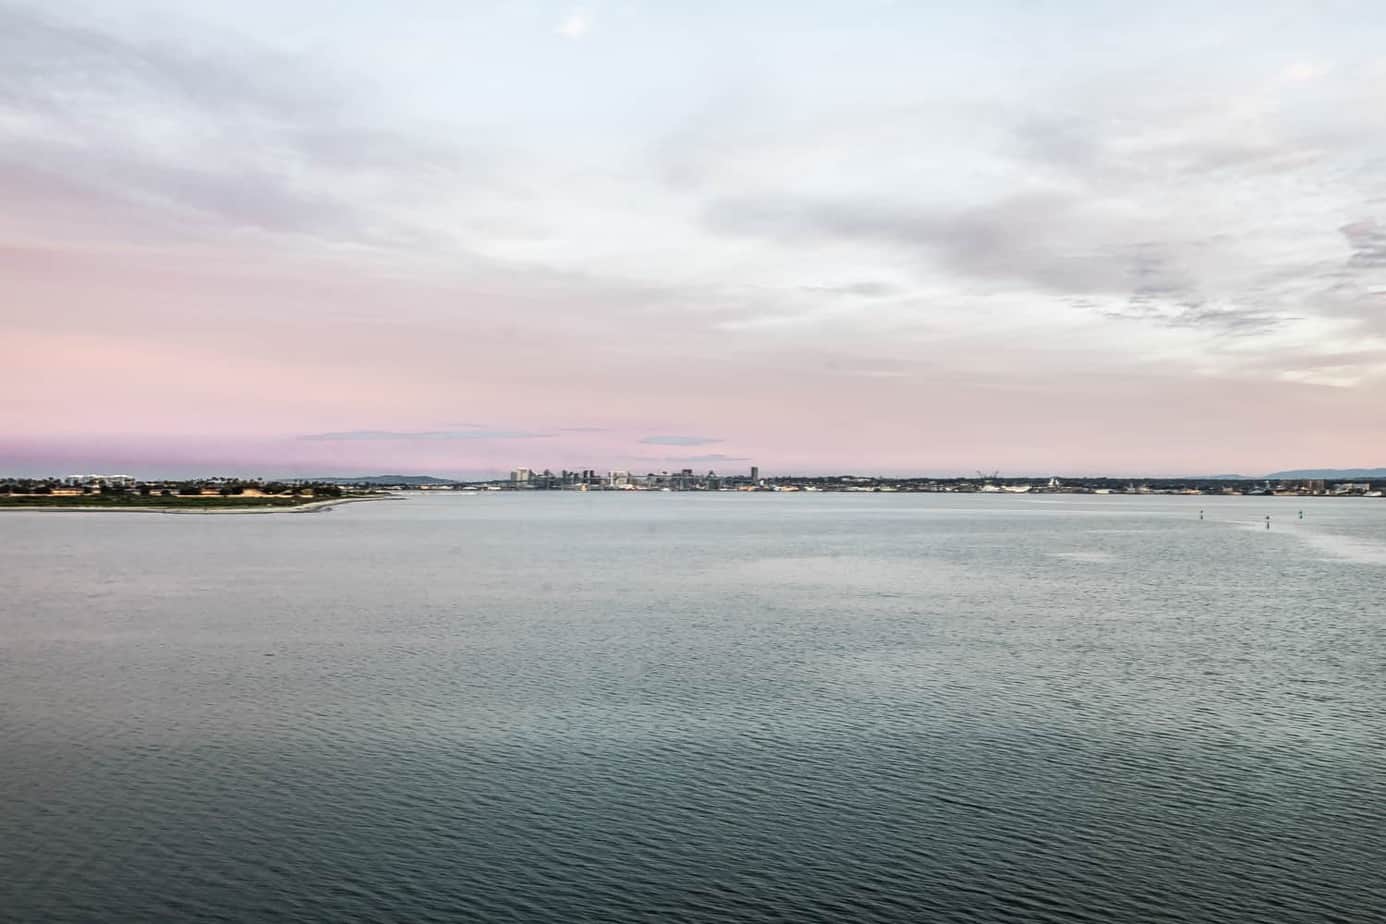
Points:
[[544, 715]]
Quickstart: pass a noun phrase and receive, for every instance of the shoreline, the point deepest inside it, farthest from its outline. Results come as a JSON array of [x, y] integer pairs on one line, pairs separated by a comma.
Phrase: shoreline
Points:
[[309, 507], [328, 503]]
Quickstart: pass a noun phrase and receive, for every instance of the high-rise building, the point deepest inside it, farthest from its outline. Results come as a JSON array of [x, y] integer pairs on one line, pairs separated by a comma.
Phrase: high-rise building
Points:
[[755, 473], [521, 476]]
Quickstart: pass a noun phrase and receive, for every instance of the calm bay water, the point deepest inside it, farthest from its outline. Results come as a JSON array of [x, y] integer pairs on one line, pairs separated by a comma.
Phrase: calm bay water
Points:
[[564, 707]]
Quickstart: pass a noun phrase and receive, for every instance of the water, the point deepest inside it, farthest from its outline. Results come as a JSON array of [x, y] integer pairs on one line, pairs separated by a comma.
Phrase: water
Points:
[[699, 708]]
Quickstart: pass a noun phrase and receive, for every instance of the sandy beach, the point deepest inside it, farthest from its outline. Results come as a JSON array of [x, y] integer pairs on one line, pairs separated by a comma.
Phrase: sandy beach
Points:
[[309, 507]]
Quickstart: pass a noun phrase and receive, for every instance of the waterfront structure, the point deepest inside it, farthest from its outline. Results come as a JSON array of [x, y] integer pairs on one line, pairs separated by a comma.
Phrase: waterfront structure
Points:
[[97, 481]]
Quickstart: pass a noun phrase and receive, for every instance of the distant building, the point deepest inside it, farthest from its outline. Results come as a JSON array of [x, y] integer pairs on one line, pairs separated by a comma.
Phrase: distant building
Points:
[[755, 473], [521, 476], [115, 481]]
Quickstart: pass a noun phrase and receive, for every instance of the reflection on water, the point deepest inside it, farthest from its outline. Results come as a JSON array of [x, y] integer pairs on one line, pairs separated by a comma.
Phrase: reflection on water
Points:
[[1347, 548], [1084, 556]]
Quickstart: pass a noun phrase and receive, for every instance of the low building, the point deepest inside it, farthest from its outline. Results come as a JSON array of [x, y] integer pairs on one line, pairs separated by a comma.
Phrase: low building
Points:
[[115, 481]]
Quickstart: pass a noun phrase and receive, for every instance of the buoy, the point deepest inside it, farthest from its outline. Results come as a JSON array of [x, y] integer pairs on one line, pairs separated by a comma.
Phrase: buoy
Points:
[[1200, 514], [1268, 521]]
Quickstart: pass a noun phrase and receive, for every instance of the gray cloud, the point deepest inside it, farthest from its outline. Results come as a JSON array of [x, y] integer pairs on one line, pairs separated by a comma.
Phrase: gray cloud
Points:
[[372, 435], [679, 440], [1368, 242], [856, 290], [263, 141], [1163, 294], [49, 63], [1022, 239], [1140, 196], [1230, 320], [1051, 243], [1065, 245]]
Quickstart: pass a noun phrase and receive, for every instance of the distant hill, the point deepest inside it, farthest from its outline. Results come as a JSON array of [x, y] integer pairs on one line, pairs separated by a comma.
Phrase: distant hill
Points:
[[1332, 474], [385, 479]]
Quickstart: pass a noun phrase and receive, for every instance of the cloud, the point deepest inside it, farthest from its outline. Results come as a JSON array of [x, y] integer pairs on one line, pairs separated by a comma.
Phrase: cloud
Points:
[[679, 440], [846, 240], [709, 457], [575, 25], [1024, 239], [57, 66], [1194, 315], [856, 290], [1368, 242], [229, 136], [1119, 192], [1080, 246], [374, 435]]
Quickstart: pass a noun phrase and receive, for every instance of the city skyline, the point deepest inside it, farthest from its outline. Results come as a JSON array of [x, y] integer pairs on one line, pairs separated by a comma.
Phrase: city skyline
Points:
[[296, 239]]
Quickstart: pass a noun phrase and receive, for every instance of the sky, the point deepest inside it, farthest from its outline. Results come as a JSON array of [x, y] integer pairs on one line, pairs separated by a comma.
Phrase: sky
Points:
[[350, 237]]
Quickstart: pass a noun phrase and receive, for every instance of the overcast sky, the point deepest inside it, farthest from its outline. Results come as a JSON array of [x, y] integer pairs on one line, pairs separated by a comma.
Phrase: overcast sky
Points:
[[451, 237]]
